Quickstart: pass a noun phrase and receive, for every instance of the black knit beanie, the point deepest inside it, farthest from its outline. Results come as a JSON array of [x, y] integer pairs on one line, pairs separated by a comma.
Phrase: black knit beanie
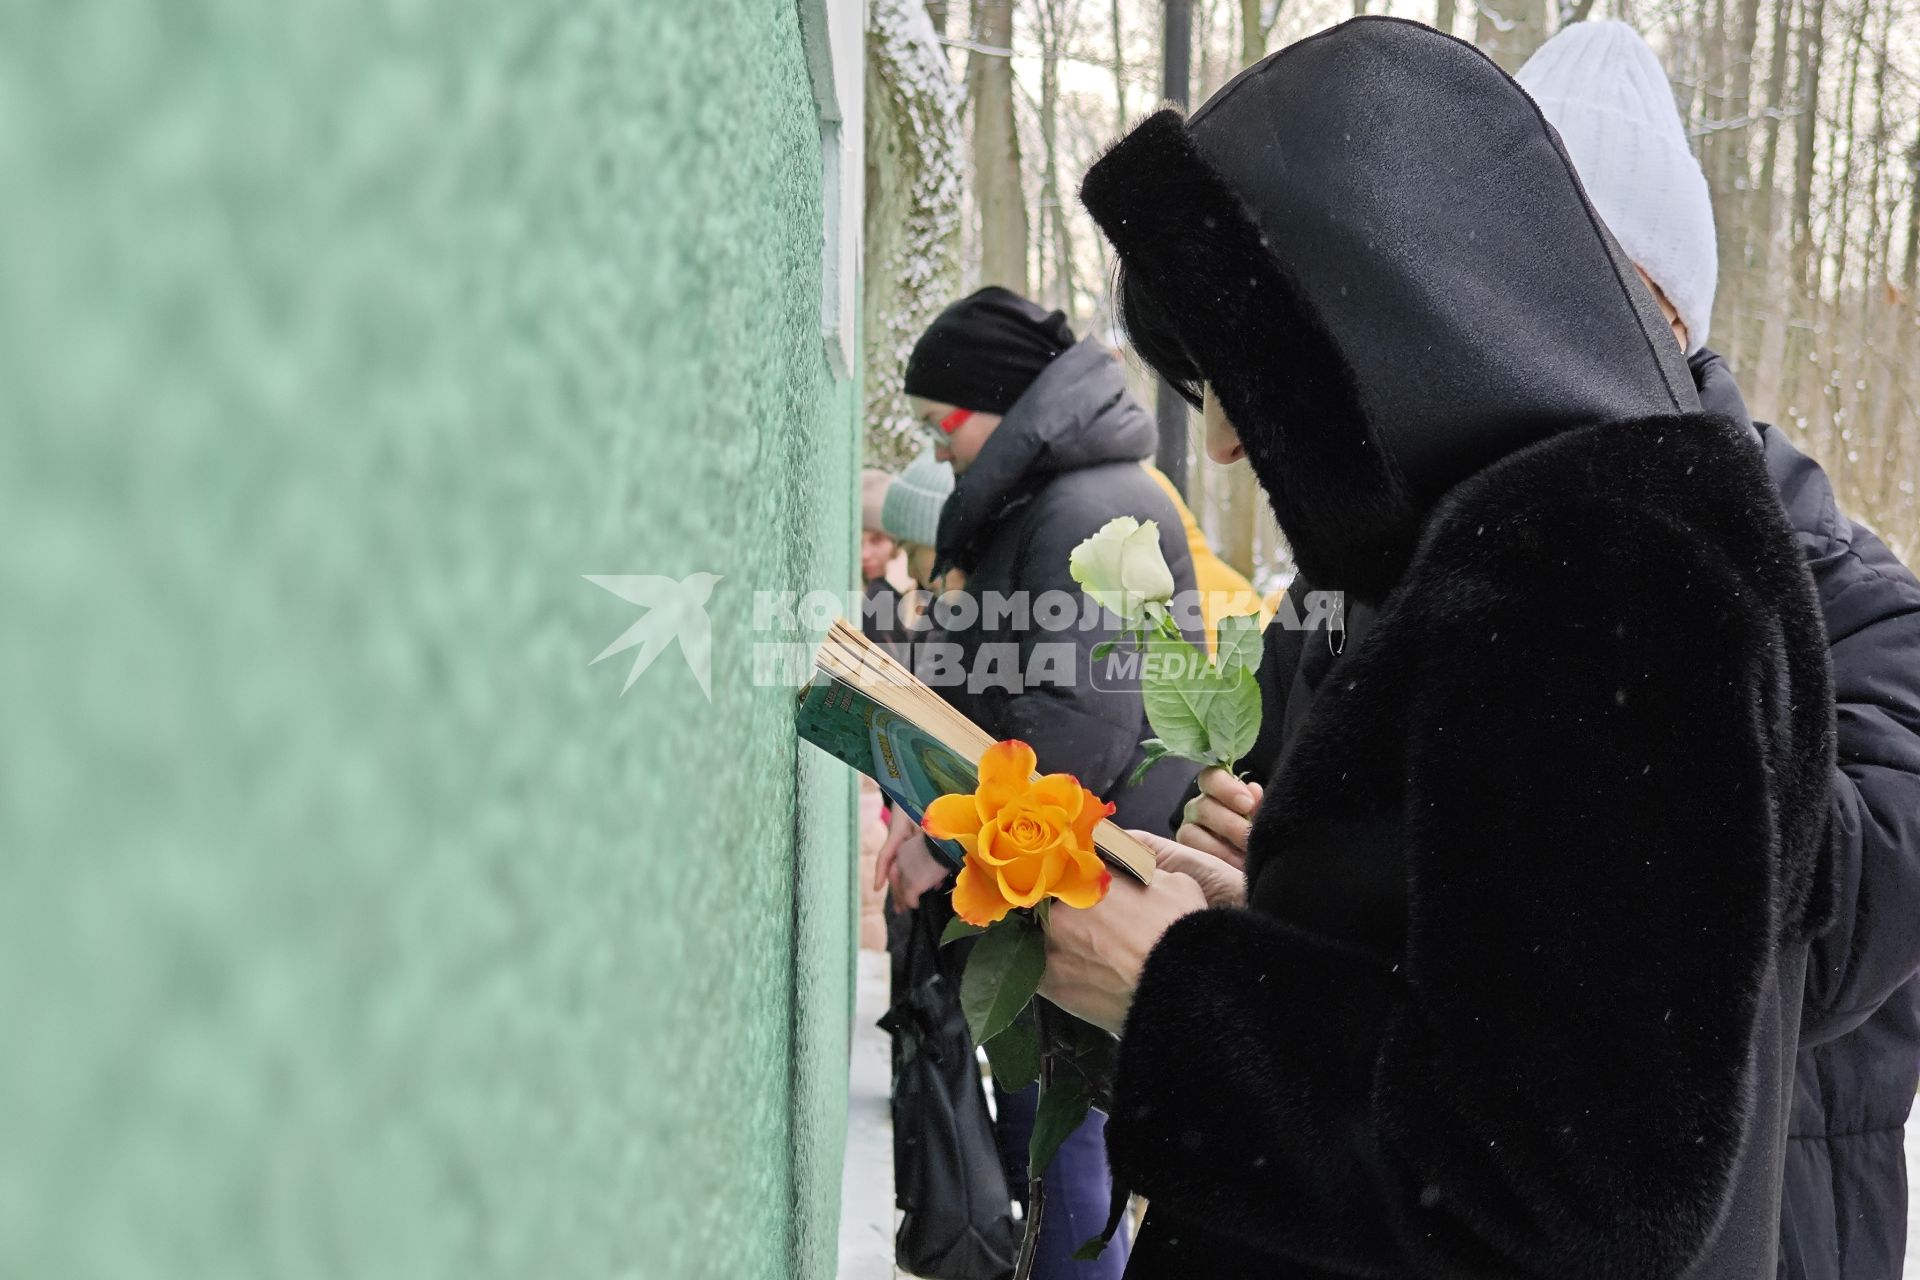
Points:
[[985, 350]]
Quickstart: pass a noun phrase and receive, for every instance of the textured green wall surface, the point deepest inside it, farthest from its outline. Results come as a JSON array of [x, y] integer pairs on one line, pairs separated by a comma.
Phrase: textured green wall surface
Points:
[[353, 926]]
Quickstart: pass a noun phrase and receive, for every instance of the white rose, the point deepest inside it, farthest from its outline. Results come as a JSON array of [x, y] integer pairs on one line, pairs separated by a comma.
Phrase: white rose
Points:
[[1121, 567]]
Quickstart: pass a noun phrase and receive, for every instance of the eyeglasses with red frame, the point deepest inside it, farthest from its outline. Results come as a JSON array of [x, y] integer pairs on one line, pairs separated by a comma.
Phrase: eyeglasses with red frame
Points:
[[939, 431]]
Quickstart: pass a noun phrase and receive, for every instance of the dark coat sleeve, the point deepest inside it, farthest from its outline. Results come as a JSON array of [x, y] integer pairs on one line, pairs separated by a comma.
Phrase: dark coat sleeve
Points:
[[1553, 1082], [1872, 608]]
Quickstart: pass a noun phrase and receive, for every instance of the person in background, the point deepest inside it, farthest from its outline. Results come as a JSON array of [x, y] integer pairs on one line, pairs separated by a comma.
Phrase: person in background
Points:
[[1046, 445], [880, 607], [910, 514], [1844, 1205], [907, 870], [879, 622]]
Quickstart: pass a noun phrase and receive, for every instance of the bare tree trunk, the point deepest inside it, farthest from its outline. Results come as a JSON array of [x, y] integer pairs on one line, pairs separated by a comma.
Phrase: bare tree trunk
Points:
[[1056, 33], [1443, 13], [1762, 303], [1732, 198], [1119, 74], [912, 222], [1881, 309], [1897, 443], [1253, 37], [1849, 59], [1828, 408], [1202, 49], [1052, 275], [1710, 105], [1802, 305], [996, 150], [1511, 32], [1910, 261], [937, 14], [1873, 270], [1254, 30]]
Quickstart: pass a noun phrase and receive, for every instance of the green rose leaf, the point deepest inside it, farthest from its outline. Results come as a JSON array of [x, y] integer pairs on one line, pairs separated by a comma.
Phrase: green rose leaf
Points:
[[1240, 644], [1233, 719], [1015, 1056], [1063, 1106], [1177, 685], [957, 929], [1002, 974]]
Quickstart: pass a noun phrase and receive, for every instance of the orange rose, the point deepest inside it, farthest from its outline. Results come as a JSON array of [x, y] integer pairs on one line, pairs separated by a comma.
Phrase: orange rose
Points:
[[1027, 839]]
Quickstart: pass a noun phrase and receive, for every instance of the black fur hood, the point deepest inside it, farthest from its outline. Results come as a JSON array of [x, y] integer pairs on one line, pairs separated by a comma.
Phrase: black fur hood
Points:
[[1383, 251]]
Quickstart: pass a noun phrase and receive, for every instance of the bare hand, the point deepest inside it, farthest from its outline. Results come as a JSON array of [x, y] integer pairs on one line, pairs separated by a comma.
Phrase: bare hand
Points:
[[900, 829], [1094, 957], [1224, 884], [917, 871], [1220, 819], [906, 865]]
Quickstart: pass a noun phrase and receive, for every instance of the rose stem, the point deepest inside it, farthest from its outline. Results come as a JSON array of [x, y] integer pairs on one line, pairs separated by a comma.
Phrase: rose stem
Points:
[[1036, 1186]]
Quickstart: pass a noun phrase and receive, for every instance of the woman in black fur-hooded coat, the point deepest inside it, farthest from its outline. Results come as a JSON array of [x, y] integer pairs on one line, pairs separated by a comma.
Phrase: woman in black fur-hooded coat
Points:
[[1515, 986]]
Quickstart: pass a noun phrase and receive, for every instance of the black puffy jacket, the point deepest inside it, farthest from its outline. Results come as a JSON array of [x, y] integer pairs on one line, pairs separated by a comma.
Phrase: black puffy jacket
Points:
[[1844, 1205], [1063, 462]]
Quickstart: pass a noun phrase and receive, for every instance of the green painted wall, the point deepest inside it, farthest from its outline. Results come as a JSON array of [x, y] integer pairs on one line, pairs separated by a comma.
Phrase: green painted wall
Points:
[[353, 927]]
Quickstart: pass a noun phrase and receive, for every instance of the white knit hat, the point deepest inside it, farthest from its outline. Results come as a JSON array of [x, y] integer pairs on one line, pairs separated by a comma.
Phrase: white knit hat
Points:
[[911, 510], [1604, 90]]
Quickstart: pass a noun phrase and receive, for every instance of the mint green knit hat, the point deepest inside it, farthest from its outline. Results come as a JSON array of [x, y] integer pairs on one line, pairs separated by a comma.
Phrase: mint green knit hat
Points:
[[911, 509]]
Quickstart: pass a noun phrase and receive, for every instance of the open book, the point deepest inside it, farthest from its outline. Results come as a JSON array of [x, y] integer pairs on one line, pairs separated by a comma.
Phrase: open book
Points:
[[864, 708]]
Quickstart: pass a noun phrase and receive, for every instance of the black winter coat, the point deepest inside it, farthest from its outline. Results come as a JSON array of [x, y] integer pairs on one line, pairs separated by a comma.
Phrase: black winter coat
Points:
[[1517, 990], [1844, 1198], [1844, 1208], [1063, 462]]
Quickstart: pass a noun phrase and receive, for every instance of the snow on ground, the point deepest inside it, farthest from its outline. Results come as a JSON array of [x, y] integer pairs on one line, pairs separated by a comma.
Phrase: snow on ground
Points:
[[866, 1184], [1913, 1203]]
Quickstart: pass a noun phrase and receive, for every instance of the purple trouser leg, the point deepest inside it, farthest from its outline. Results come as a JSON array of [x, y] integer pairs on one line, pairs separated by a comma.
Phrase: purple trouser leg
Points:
[[1079, 1190]]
